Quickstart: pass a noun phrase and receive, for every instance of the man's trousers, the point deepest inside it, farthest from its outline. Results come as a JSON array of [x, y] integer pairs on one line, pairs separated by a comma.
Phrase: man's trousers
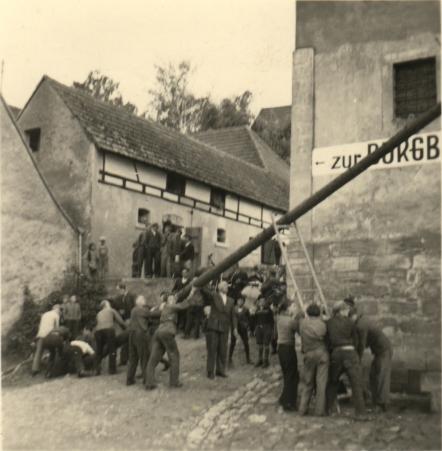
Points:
[[216, 343], [380, 375], [290, 375], [139, 351], [163, 342], [316, 365], [244, 335], [106, 338], [346, 361]]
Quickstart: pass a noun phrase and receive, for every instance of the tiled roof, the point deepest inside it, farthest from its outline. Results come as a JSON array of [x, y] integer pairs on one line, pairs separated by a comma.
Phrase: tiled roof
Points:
[[276, 117], [115, 130], [246, 144]]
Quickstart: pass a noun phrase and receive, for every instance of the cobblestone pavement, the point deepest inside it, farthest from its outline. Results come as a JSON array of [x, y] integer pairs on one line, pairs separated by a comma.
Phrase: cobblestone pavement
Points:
[[240, 412]]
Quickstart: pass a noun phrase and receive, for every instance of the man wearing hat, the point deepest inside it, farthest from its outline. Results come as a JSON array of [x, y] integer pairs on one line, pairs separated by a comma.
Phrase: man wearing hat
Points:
[[152, 246], [103, 258], [342, 336]]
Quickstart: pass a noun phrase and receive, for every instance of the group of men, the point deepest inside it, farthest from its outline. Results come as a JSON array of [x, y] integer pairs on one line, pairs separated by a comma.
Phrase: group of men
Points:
[[330, 346], [162, 253]]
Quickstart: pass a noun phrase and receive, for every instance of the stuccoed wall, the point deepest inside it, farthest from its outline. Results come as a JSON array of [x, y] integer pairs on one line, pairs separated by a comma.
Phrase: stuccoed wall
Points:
[[65, 155], [37, 242], [115, 217]]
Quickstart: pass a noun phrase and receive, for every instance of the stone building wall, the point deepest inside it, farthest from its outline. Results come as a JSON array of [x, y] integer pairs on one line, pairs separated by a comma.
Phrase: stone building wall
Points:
[[379, 237], [38, 242]]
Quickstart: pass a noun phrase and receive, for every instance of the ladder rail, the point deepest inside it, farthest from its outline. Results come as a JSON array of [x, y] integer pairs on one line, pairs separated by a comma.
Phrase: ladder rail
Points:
[[287, 264], [312, 268]]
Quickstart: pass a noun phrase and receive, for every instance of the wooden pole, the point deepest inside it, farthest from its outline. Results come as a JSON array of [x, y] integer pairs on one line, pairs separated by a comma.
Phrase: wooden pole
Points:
[[318, 197]]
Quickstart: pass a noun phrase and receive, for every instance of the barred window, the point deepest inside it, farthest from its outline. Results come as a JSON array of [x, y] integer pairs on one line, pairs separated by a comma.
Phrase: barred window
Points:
[[415, 88]]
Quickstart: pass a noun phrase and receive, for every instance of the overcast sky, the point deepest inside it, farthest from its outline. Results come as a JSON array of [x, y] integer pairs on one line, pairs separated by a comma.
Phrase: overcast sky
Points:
[[234, 44]]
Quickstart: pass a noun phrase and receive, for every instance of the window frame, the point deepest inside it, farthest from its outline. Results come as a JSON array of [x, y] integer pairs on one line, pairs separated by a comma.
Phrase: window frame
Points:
[[141, 224], [31, 134], [415, 84]]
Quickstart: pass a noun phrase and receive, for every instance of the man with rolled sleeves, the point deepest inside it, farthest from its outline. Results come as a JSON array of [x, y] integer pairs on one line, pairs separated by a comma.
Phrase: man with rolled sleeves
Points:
[[221, 321], [49, 321], [371, 336]]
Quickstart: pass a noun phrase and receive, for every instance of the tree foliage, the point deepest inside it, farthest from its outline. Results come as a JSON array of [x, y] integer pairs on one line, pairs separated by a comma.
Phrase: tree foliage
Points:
[[277, 138], [174, 105], [104, 88]]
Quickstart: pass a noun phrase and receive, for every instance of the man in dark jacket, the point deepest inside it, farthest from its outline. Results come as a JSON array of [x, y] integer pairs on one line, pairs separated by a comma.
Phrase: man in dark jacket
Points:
[[371, 336], [152, 247], [243, 319], [139, 339], [124, 303], [221, 320], [174, 248], [187, 253], [342, 338]]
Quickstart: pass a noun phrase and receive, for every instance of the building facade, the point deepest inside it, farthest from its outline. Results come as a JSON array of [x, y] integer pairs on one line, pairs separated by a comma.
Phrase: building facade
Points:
[[111, 170], [39, 242], [369, 70]]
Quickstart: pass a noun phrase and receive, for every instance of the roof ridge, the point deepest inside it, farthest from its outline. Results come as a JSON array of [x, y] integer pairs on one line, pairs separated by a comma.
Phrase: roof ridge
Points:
[[122, 132], [258, 138], [162, 127], [229, 155], [275, 107], [215, 130]]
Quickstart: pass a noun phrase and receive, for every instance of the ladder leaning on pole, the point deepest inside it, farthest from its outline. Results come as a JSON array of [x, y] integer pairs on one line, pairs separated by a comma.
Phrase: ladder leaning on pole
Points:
[[290, 271], [292, 276]]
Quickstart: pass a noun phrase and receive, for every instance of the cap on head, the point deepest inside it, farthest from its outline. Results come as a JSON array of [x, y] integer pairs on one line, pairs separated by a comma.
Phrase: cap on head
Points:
[[313, 310], [102, 238], [350, 301]]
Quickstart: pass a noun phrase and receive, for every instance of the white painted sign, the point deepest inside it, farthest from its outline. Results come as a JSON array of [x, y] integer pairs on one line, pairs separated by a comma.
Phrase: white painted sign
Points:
[[419, 149]]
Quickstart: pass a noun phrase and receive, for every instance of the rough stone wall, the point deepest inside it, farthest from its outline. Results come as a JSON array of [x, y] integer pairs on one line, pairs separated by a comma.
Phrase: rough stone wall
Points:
[[379, 237], [37, 242], [65, 155]]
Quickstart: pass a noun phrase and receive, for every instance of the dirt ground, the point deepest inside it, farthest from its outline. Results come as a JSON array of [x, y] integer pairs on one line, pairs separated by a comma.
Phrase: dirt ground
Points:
[[235, 413]]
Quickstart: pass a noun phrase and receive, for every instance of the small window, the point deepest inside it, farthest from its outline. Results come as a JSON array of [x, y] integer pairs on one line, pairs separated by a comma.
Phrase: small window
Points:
[[220, 235], [143, 217], [415, 89], [175, 184], [217, 198], [33, 136]]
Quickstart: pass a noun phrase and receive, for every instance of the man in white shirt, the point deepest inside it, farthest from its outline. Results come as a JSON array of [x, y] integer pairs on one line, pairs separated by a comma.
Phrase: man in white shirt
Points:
[[48, 322], [83, 355]]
